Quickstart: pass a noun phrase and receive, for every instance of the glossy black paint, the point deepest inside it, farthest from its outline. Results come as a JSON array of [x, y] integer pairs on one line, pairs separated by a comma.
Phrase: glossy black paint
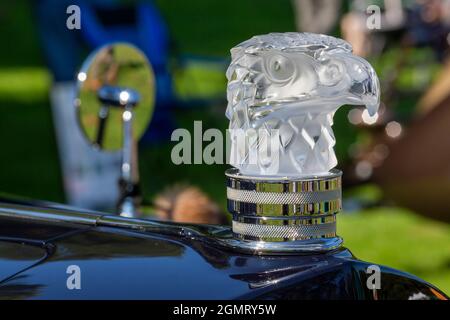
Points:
[[123, 264]]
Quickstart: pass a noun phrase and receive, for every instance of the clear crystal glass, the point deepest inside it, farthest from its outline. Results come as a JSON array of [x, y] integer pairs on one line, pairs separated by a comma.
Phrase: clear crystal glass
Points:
[[288, 86]]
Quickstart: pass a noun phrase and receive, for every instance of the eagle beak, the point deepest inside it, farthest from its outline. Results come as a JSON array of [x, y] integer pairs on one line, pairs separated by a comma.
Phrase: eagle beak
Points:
[[366, 87]]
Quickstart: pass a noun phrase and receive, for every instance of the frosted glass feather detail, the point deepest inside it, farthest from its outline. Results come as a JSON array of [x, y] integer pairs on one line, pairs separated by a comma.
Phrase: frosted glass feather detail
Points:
[[294, 83]]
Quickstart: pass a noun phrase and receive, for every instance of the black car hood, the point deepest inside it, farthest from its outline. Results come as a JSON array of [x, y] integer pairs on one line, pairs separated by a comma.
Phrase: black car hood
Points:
[[17, 257], [121, 259], [155, 267]]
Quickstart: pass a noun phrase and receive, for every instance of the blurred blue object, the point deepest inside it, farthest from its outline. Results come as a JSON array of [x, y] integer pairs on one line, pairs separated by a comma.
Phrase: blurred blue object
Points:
[[106, 21], [432, 32]]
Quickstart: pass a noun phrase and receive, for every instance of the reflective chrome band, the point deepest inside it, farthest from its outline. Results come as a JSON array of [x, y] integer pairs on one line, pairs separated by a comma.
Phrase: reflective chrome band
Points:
[[282, 196], [283, 221], [285, 210], [303, 197], [249, 231], [331, 181], [325, 207]]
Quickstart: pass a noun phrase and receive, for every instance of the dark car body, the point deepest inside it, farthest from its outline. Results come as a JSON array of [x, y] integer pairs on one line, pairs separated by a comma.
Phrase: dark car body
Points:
[[122, 258]]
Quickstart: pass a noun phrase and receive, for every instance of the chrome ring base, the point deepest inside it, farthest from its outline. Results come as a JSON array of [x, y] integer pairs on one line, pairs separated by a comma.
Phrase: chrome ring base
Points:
[[282, 248], [284, 215]]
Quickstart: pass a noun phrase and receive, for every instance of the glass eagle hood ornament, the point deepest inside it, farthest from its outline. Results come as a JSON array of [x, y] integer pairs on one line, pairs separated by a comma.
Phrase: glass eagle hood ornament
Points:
[[292, 84], [283, 90]]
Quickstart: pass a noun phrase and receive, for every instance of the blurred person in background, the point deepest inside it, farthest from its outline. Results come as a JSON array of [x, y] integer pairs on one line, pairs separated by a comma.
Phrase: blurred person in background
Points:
[[417, 172], [354, 24], [414, 23], [410, 161], [84, 184], [317, 16], [90, 177], [429, 25], [101, 22]]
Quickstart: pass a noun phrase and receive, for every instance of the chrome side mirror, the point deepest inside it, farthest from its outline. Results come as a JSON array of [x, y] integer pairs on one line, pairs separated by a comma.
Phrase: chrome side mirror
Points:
[[114, 104]]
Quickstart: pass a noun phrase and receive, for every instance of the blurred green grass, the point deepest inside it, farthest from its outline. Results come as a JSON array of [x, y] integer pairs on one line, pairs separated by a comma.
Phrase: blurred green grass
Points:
[[400, 239], [29, 161]]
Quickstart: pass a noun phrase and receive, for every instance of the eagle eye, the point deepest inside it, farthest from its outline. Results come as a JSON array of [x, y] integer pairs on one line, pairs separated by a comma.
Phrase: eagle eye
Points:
[[279, 68], [331, 72]]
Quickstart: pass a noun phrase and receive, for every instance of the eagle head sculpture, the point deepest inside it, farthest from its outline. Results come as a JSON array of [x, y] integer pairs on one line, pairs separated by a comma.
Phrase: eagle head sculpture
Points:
[[284, 88]]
